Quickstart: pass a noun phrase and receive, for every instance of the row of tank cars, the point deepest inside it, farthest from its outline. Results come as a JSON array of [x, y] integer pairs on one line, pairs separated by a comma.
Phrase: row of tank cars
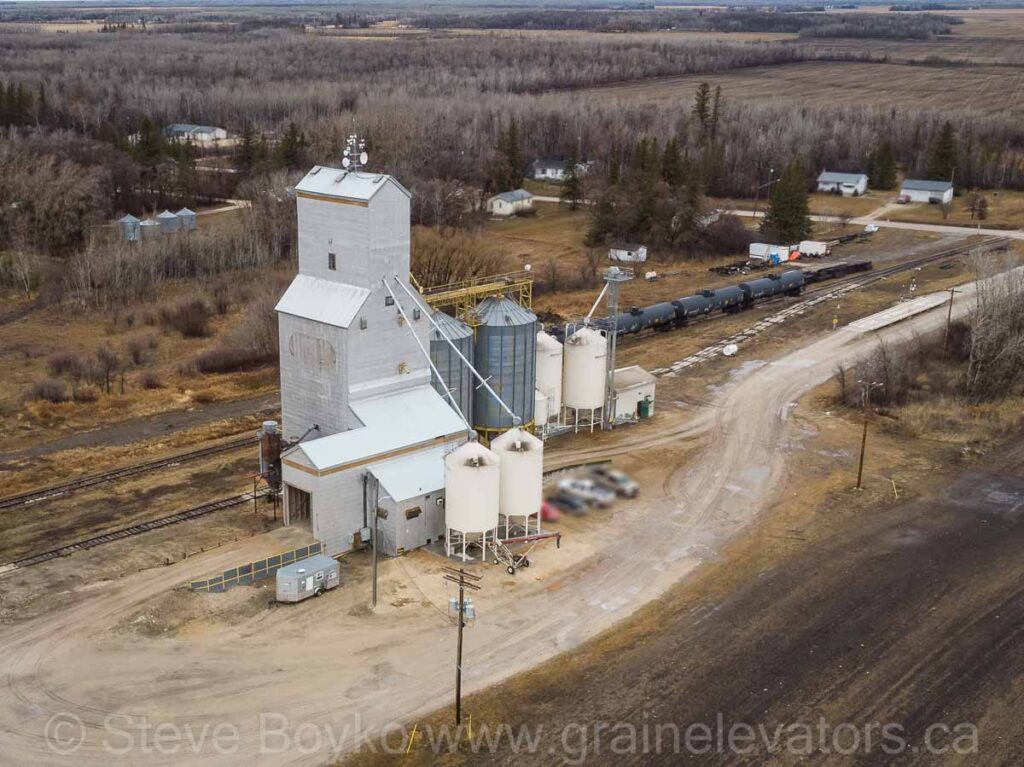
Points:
[[599, 488], [733, 298]]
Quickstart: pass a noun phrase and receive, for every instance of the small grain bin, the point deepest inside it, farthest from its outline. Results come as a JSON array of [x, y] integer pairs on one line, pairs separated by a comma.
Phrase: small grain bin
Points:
[[149, 229], [454, 372], [540, 410], [472, 481], [168, 221], [129, 228], [306, 578], [583, 381], [521, 457], [186, 220], [506, 357]]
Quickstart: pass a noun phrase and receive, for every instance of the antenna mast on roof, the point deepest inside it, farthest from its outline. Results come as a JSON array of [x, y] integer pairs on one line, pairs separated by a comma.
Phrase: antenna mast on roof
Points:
[[355, 156]]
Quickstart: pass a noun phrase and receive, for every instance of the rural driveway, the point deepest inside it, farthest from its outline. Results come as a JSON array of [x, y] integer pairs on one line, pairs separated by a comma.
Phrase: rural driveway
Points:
[[322, 672]]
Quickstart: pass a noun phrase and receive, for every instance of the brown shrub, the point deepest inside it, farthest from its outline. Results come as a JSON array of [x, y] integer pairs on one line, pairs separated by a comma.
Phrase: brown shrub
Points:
[[137, 349], [204, 397], [150, 380], [49, 390], [85, 395], [190, 318], [64, 363]]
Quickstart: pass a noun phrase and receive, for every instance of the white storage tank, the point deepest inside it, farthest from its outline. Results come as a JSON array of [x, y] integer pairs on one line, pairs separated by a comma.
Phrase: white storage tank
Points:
[[549, 374], [540, 408], [472, 482], [583, 380], [521, 458]]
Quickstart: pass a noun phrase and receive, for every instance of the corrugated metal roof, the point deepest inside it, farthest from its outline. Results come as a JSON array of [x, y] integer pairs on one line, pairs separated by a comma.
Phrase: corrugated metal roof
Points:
[[829, 177], [391, 422], [412, 475], [632, 247], [129, 219], [312, 298], [515, 195], [917, 185], [190, 128], [149, 222], [501, 312], [167, 214], [634, 375], [349, 185], [453, 328], [185, 212], [554, 164]]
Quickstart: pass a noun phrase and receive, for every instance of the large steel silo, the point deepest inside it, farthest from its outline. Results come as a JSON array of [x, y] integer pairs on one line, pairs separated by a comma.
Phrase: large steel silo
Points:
[[506, 356], [453, 370]]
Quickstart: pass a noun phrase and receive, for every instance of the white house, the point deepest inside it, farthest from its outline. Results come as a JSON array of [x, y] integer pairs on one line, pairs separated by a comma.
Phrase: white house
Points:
[[510, 203], [198, 134], [555, 170], [926, 191], [626, 251], [846, 184]]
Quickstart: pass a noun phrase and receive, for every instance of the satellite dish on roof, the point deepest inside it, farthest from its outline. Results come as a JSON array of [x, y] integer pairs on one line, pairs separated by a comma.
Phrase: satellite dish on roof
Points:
[[345, 162]]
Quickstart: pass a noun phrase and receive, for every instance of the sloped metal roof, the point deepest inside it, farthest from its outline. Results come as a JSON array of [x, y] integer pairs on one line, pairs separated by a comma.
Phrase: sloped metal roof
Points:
[[918, 185], [453, 328], [515, 195], [129, 219], [390, 422], [634, 375], [185, 212], [411, 476], [346, 184], [319, 300], [829, 177], [167, 214]]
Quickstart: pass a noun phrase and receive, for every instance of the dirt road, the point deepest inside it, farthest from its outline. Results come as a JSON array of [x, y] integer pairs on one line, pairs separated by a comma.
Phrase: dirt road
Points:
[[330, 669]]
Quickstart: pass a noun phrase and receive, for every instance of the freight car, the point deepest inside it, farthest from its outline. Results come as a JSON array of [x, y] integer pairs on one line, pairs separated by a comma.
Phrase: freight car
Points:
[[832, 271]]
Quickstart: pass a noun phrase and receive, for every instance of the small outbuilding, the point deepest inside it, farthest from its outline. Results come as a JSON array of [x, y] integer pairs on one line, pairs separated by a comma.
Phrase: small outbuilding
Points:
[[186, 219], [935, 192], [634, 393], [548, 170], [197, 134], [510, 203], [846, 184], [628, 251], [149, 229]]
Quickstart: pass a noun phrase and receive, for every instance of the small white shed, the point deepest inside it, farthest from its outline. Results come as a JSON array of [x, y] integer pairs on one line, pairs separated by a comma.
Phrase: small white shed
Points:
[[915, 190], [627, 251], [510, 203], [634, 393]]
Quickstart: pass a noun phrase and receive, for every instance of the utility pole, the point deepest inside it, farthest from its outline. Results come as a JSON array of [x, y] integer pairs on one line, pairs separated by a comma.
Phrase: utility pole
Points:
[[759, 187], [865, 397], [464, 581], [949, 322]]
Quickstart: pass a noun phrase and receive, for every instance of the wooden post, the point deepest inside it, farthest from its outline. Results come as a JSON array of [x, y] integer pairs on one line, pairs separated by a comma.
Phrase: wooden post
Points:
[[464, 581]]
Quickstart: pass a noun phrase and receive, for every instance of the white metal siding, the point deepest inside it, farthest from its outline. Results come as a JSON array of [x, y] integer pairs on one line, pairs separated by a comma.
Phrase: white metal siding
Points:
[[313, 389]]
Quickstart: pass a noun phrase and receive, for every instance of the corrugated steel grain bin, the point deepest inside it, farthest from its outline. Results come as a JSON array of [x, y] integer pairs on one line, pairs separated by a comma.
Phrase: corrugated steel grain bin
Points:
[[307, 578]]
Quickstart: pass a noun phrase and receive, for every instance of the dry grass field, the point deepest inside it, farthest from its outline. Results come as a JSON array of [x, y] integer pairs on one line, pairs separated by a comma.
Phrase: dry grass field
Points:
[[1005, 211], [984, 90]]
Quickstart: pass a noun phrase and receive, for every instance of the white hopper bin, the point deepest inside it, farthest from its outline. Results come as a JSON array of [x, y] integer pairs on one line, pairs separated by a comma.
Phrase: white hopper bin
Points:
[[583, 381], [472, 481], [522, 478], [549, 375]]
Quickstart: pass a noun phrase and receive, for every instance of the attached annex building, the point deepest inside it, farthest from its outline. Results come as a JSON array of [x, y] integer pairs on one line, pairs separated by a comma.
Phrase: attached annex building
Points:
[[355, 385]]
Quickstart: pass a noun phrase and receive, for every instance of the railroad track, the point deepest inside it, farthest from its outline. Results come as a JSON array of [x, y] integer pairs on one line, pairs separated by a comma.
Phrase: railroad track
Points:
[[132, 530], [814, 297], [55, 491]]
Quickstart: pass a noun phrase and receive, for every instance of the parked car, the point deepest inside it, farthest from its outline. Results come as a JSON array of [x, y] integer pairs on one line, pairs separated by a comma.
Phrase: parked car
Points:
[[570, 504], [588, 491], [617, 481], [549, 512]]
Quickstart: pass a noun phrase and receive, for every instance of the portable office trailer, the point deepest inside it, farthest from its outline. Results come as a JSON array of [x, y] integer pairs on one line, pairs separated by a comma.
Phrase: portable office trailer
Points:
[[307, 578]]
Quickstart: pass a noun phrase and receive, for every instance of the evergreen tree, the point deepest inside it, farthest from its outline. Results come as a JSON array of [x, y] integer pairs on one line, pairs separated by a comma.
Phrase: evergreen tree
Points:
[[247, 148], [614, 170], [788, 217], [150, 146], [672, 164], [883, 167], [942, 158], [702, 108], [602, 221], [572, 186], [716, 107], [291, 150], [513, 156], [185, 173]]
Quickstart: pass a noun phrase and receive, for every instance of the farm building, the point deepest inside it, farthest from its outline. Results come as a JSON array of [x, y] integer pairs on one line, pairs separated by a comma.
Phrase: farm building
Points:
[[926, 191], [510, 203], [353, 375], [846, 184], [555, 170], [634, 393], [199, 134], [627, 251]]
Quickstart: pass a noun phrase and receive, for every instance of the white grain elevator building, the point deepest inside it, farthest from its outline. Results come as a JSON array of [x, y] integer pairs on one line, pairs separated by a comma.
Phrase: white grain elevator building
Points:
[[354, 381]]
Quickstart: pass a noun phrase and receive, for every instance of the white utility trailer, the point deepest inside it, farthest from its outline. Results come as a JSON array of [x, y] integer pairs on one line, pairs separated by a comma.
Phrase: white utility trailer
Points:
[[307, 578]]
